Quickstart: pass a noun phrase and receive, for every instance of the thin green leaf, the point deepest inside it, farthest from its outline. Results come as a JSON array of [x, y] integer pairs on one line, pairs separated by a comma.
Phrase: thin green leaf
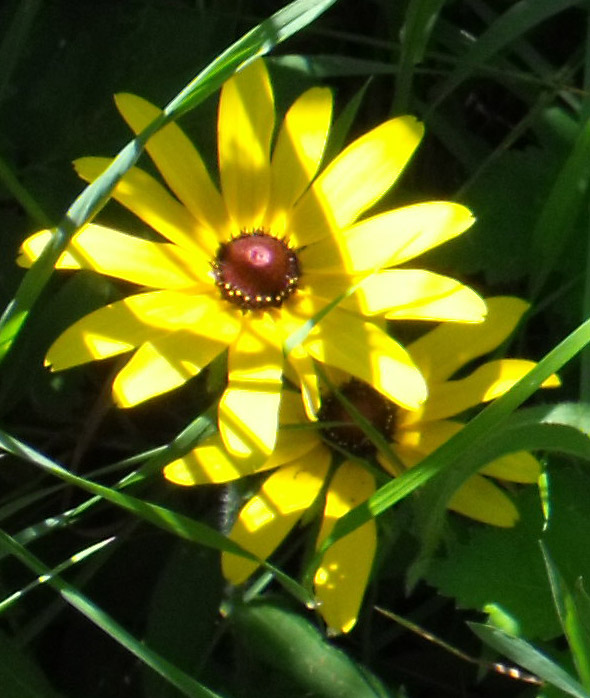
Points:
[[574, 627], [520, 652], [185, 683]]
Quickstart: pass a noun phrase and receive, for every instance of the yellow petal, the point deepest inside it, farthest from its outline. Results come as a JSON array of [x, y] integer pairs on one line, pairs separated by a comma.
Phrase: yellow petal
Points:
[[181, 167], [246, 123], [126, 324], [365, 351], [520, 466], [298, 153], [305, 375], [404, 294], [248, 410], [442, 351], [486, 383], [270, 515], [342, 577], [148, 200], [164, 364], [126, 257], [423, 438], [389, 238], [356, 179], [481, 500]]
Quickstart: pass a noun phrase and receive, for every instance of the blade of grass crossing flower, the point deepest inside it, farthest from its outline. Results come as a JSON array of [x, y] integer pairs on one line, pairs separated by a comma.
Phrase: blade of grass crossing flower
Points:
[[258, 41], [421, 16], [159, 516], [515, 22], [452, 461], [524, 654], [573, 616], [185, 683], [341, 126]]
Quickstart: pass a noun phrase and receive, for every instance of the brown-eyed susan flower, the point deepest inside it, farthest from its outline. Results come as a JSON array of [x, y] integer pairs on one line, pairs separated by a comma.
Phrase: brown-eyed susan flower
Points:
[[245, 267], [306, 469]]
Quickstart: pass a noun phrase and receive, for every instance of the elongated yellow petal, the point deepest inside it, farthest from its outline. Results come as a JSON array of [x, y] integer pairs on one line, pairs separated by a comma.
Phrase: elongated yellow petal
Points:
[[365, 351], [514, 467], [305, 375], [442, 351], [404, 294], [481, 500], [389, 238], [342, 577], [127, 324], [423, 438], [268, 517], [248, 410], [148, 200], [126, 257], [486, 383], [298, 154], [164, 364], [181, 167], [355, 180], [246, 123]]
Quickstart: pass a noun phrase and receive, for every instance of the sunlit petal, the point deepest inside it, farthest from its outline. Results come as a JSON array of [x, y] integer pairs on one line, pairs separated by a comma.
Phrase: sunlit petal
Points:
[[181, 167], [342, 577], [268, 517], [486, 383], [355, 179], [365, 351], [405, 294], [481, 500], [148, 200], [442, 351], [248, 410], [246, 123], [126, 324], [390, 238], [298, 152], [126, 257]]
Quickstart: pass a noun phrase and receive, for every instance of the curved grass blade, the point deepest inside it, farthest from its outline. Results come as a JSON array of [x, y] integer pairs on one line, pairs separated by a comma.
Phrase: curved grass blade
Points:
[[258, 41], [185, 683]]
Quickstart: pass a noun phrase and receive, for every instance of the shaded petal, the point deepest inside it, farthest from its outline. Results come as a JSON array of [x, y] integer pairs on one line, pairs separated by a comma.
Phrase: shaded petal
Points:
[[303, 367], [121, 326], [364, 350], [514, 467], [389, 238], [248, 410], [298, 153], [167, 363], [245, 127], [486, 383], [126, 257], [355, 180], [270, 515], [149, 201], [181, 167], [442, 351], [405, 294], [423, 438], [481, 500], [342, 577]]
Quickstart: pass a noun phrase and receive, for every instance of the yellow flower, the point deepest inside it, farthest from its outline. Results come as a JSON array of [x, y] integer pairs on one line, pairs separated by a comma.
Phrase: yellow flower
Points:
[[245, 268], [305, 467]]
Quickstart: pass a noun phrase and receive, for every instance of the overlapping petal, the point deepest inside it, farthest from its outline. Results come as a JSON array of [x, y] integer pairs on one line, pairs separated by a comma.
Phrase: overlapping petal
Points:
[[245, 129], [481, 500], [269, 516], [336, 198], [122, 256]]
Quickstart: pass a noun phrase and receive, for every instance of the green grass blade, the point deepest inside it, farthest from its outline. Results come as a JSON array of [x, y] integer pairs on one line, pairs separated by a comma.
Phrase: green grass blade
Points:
[[185, 683], [521, 652]]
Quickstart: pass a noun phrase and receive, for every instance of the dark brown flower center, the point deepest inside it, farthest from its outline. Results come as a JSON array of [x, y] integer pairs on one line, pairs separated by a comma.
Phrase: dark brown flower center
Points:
[[256, 270], [373, 406]]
